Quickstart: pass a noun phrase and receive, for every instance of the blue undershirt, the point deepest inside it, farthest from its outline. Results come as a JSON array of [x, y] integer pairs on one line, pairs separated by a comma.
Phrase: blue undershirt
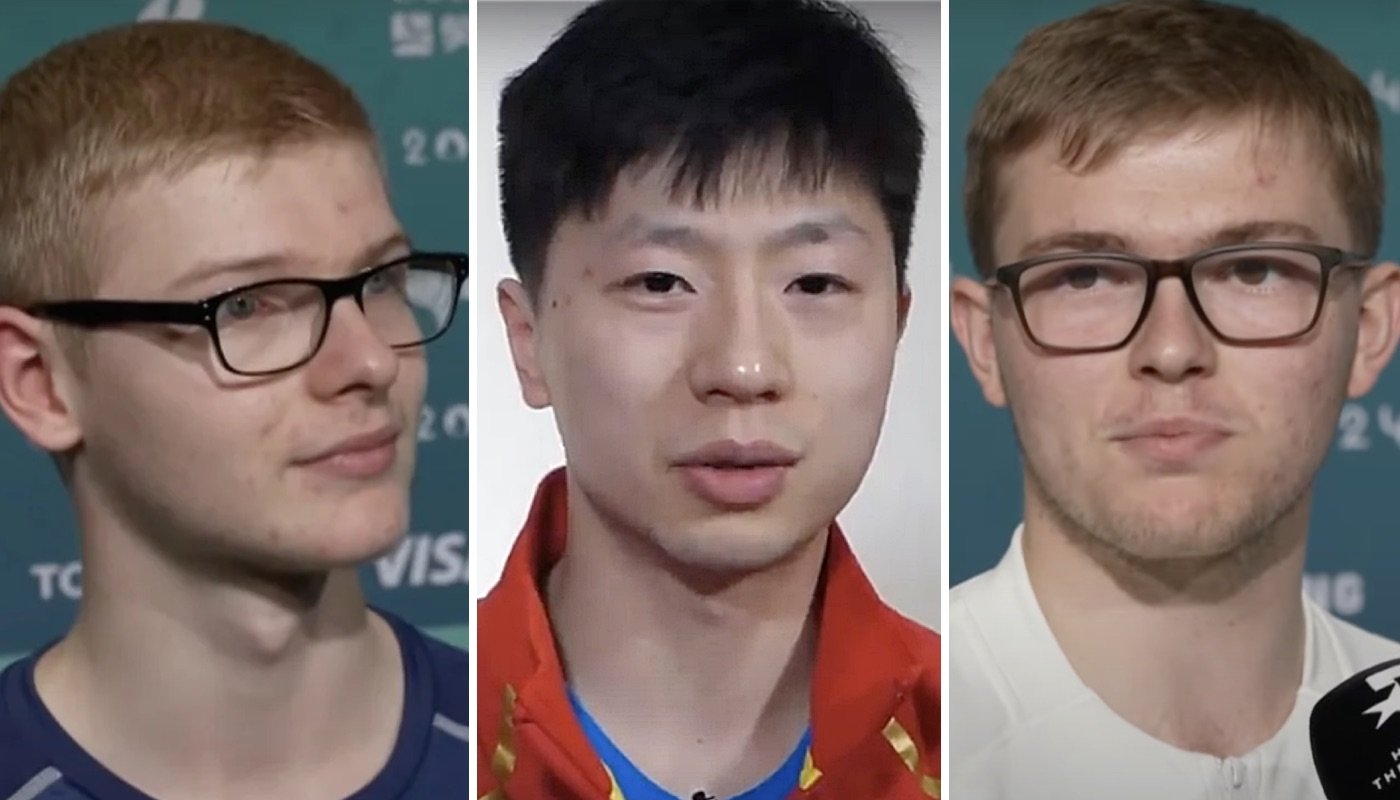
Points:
[[636, 786]]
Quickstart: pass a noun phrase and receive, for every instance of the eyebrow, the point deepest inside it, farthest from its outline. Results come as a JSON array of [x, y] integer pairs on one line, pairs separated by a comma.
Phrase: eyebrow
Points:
[[1260, 231], [1240, 233], [367, 257], [638, 230], [815, 231]]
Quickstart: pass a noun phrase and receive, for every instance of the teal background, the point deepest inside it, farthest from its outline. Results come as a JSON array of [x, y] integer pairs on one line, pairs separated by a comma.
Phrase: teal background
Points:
[[408, 61], [1355, 537]]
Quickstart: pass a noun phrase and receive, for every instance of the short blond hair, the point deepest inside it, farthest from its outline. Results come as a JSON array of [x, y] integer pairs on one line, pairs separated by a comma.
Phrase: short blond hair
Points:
[[104, 111], [1097, 81]]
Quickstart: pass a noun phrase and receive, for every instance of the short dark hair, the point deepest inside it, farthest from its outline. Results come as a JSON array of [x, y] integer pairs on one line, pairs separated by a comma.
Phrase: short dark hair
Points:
[[696, 84]]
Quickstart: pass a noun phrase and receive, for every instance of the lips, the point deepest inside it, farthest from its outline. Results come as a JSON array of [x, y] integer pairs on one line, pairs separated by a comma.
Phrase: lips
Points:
[[366, 455], [734, 475], [1172, 441]]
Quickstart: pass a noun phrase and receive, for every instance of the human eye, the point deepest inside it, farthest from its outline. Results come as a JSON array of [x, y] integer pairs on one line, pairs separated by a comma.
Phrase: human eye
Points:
[[1251, 271], [656, 282], [247, 305], [1261, 272], [820, 283], [260, 302], [1257, 271], [1079, 277], [391, 279]]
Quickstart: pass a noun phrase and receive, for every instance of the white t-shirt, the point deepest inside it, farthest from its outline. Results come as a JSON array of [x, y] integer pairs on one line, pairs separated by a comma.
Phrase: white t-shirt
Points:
[[1022, 725]]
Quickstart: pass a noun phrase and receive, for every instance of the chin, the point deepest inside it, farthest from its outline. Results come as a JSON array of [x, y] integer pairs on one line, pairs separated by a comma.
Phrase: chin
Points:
[[1168, 544], [1201, 533], [350, 538], [733, 545], [1162, 519]]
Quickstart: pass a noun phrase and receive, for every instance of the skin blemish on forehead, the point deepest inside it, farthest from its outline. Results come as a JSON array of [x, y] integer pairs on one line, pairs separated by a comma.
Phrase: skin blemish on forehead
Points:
[[1265, 177], [1273, 144], [1267, 157]]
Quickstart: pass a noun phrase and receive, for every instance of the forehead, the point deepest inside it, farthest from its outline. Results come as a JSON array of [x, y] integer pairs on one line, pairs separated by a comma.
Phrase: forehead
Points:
[[1168, 192], [320, 201], [745, 201]]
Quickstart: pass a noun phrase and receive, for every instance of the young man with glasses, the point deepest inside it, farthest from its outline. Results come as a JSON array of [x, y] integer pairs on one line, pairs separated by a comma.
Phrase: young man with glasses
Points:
[[709, 206], [1175, 208], [212, 320]]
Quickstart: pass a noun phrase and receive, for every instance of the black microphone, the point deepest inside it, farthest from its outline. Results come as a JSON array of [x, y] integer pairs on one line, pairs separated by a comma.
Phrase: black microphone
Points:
[[1355, 733]]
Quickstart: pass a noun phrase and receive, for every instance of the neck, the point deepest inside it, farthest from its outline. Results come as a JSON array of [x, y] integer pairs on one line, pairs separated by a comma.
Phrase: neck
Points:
[[196, 680], [1207, 652], [703, 680]]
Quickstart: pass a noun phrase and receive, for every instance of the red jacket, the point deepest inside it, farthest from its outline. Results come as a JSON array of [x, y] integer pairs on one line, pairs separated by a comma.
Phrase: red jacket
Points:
[[875, 701]]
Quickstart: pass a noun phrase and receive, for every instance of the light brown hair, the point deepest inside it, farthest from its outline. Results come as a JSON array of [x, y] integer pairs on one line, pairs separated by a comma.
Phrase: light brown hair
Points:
[[1100, 80], [104, 111]]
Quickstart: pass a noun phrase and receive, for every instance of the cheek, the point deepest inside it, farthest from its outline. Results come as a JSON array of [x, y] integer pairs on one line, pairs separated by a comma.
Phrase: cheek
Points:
[[217, 437], [1058, 403], [1299, 392], [129, 387], [606, 378], [848, 372], [411, 386], [242, 428], [838, 399]]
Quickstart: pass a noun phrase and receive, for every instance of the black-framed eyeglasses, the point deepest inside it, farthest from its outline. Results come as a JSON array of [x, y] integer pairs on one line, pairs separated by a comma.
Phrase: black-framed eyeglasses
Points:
[[278, 325], [1262, 293]]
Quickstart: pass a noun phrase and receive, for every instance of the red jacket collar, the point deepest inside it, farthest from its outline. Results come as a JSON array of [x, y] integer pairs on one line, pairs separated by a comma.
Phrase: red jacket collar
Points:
[[868, 657]]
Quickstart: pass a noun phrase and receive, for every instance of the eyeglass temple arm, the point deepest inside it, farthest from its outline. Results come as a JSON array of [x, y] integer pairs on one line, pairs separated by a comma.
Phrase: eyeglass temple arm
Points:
[[108, 312]]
